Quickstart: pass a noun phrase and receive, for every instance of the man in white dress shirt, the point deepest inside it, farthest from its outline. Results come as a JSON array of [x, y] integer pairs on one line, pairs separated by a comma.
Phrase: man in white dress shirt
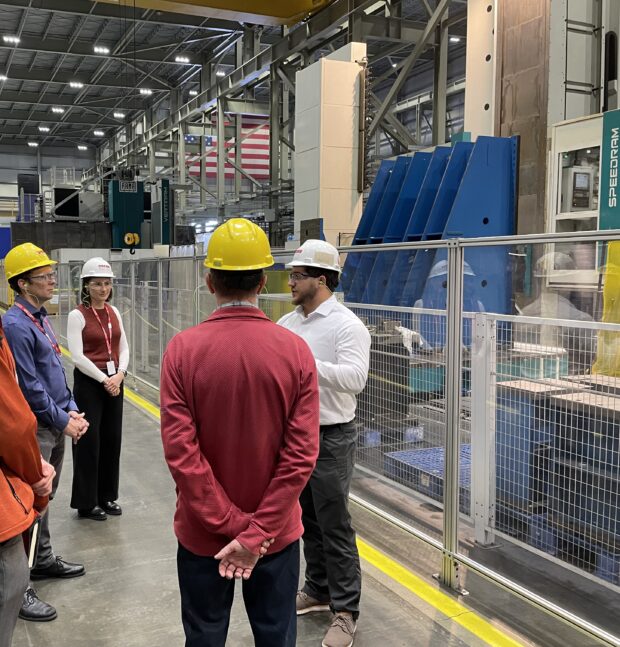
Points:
[[341, 346]]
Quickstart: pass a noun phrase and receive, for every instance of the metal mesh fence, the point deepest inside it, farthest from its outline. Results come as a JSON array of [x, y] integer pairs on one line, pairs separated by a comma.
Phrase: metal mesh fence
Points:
[[539, 424]]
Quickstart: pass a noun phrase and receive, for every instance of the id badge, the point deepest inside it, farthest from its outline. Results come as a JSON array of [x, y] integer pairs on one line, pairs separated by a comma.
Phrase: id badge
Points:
[[111, 368]]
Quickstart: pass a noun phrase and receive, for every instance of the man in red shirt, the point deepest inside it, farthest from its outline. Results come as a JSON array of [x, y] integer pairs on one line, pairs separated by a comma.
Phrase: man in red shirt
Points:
[[240, 428]]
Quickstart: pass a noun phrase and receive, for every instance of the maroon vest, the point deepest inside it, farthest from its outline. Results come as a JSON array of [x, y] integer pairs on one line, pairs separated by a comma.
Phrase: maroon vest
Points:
[[95, 348]]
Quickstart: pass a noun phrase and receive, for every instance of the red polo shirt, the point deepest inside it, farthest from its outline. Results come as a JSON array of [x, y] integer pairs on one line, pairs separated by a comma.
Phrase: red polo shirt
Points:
[[240, 427]]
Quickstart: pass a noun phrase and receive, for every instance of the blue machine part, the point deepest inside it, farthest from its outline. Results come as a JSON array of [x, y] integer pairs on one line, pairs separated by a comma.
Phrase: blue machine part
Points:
[[374, 200], [467, 191], [379, 225], [524, 431], [395, 232], [423, 470], [433, 327], [436, 222], [5, 241], [446, 194], [415, 227], [407, 198], [390, 196], [368, 216], [487, 286]]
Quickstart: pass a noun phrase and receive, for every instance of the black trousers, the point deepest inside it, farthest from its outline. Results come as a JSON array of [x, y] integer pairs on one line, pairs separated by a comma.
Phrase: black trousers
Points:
[[333, 572], [96, 456], [269, 596]]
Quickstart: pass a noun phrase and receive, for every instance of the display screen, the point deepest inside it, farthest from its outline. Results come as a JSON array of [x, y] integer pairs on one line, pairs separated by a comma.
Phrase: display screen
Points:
[[582, 181]]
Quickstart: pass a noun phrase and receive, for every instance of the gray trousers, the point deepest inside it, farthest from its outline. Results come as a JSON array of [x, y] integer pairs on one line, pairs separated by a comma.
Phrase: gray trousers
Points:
[[52, 446], [333, 572], [13, 583]]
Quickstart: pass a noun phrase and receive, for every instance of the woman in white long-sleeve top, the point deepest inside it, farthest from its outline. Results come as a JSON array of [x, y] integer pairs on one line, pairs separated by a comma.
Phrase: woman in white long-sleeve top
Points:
[[99, 349]]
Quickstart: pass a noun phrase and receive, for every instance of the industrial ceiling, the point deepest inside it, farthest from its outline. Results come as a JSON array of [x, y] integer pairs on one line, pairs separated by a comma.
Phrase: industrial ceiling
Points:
[[73, 72]]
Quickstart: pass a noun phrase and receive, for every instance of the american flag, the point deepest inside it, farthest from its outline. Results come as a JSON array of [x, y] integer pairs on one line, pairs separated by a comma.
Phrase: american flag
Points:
[[254, 150]]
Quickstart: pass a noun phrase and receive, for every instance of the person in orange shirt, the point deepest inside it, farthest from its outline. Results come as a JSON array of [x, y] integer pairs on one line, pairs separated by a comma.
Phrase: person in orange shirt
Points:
[[25, 486]]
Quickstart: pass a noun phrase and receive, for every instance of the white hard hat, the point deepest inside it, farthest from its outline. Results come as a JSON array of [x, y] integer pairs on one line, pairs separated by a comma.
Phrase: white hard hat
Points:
[[316, 253], [441, 269], [96, 268]]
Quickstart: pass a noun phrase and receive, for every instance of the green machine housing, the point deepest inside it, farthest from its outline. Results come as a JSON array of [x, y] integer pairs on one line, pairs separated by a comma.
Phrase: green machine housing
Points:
[[126, 209]]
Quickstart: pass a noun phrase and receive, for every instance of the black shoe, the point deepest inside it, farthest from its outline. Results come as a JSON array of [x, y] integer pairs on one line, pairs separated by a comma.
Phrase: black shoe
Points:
[[96, 514], [35, 610], [59, 568], [111, 507]]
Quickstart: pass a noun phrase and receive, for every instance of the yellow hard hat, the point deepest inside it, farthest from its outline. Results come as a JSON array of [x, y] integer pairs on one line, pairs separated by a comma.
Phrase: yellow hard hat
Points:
[[238, 245], [24, 258]]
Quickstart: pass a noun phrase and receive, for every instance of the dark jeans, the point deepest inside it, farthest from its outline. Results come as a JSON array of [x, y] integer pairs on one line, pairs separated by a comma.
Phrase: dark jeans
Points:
[[333, 572], [269, 596], [96, 456]]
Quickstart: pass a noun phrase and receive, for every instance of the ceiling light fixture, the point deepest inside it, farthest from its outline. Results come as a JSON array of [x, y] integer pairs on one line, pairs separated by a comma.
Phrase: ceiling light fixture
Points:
[[58, 110], [119, 115], [3, 77], [44, 129], [146, 92], [394, 64], [181, 59], [101, 50], [193, 93], [98, 133], [11, 39], [76, 84], [220, 73], [455, 39], [33, 144], [81, 147]]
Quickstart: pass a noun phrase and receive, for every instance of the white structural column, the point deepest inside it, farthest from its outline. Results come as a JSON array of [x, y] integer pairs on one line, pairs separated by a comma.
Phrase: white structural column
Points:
[[181, 165], [327, 111], [481, 67], [221, 156]]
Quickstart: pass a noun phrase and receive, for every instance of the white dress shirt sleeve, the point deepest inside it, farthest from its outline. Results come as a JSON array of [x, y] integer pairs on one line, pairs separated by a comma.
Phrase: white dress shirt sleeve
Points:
[[123, 348], [75, 326], [350, 372]]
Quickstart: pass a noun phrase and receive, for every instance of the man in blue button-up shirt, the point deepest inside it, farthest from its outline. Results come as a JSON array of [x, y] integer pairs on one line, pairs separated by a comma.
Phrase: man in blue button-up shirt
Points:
[[44, 384]]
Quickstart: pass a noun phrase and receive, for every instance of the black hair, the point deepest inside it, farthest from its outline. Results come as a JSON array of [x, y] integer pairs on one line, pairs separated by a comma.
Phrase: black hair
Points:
[[13, 282], [236, 284], [84, 297], [331, 276]]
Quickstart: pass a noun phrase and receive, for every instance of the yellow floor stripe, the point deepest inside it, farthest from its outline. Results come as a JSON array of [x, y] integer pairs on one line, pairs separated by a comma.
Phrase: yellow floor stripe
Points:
[[423, 590], [142, 403], [436, 598]]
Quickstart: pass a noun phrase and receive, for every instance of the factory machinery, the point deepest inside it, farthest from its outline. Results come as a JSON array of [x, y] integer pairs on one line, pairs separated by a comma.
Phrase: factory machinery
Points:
[[556, 451], [125, 212]]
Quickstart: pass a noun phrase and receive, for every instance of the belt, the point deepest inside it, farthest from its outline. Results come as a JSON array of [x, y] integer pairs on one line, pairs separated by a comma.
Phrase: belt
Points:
[[335, 426]]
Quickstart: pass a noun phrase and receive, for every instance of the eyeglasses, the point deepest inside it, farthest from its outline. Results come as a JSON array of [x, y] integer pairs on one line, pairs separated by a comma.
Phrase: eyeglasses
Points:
[[298, 276], [50, 276]]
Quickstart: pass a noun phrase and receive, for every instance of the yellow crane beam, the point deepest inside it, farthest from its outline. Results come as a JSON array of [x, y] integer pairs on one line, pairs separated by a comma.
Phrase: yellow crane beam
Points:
[[260, 12]]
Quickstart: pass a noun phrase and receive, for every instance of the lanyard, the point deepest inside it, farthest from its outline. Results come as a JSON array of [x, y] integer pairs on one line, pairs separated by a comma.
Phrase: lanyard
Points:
[[52, 340], [107, 335]]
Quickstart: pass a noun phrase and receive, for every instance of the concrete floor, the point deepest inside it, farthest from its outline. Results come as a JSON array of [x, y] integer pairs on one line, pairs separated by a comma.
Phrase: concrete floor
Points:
[[129, 595]]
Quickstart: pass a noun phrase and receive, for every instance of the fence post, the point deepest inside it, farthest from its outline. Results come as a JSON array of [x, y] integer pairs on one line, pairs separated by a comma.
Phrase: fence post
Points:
[[483, 398], [132, 318], [197, 282], [449, 575], [160, 305]]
